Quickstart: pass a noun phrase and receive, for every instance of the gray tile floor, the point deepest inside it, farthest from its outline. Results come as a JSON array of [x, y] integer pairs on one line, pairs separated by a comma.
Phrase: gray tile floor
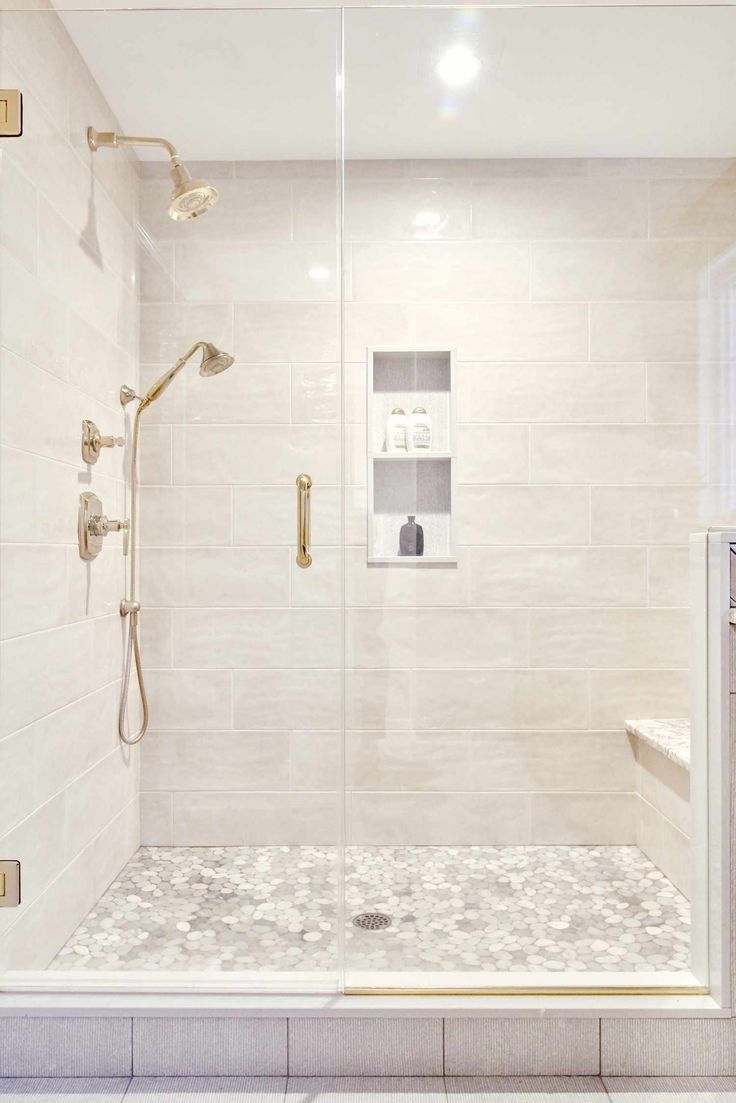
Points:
[[506, 909], [394, 1089]]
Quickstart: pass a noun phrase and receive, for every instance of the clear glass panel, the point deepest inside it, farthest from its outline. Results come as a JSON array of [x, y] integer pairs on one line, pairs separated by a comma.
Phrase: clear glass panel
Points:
[[542, 220], [538, 232], [213, 846]]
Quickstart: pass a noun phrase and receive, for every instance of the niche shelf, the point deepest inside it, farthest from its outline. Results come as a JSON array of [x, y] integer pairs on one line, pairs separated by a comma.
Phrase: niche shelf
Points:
[[401, 484]]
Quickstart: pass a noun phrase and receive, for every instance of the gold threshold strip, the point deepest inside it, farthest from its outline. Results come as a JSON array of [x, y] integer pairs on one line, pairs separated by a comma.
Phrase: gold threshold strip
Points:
[[593, 990]]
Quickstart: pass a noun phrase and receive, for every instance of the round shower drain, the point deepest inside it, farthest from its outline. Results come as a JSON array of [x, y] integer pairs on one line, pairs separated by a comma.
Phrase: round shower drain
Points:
[[372, 921]]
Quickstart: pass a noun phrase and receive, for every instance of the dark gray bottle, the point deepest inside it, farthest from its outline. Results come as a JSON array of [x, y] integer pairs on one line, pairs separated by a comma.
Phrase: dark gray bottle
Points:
[[411, 538]]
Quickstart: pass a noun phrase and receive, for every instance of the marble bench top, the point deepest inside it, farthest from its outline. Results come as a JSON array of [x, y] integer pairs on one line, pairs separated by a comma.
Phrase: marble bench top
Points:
[[671, 737]]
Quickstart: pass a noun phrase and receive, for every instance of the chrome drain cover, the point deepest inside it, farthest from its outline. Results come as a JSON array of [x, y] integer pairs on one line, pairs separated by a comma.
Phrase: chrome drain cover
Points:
[[372, 921]]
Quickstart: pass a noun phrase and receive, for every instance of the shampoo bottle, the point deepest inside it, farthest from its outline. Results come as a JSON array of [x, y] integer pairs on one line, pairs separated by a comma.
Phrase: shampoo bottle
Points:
[[420, 430], [397, 431]]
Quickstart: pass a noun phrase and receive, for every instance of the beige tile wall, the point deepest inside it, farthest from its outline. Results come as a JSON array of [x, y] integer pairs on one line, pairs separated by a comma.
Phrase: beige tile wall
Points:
[[68, 801], [663, 814], [244, 649], [484, 704]]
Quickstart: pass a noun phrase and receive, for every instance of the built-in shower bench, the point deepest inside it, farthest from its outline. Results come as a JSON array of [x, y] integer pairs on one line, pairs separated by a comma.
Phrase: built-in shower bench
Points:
[[661, 750], [671, 737]]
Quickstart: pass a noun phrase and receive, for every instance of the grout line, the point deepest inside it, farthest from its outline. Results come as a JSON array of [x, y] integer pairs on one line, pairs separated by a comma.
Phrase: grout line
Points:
[[288, 1053]]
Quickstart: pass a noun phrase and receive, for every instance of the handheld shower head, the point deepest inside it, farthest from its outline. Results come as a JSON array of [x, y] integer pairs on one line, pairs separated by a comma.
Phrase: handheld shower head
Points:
[[214, 360]]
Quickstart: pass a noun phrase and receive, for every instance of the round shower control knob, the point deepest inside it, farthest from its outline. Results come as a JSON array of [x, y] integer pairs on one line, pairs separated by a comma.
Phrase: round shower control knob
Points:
[[93, 442]]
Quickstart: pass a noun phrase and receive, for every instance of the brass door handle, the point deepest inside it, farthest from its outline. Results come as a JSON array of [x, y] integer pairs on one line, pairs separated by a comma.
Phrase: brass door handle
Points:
[[303, 518]]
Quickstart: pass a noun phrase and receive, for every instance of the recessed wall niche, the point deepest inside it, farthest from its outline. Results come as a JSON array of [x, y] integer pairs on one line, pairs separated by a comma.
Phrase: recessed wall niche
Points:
[[415, 481]]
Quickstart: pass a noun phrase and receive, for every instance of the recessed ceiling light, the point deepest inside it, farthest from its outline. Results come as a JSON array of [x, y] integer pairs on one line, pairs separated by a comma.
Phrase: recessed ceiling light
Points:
[[319, 272], [458, 66]]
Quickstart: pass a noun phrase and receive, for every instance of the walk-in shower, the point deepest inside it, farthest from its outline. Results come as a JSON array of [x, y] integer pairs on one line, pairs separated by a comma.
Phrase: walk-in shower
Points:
[[475, 269], [213, 362]]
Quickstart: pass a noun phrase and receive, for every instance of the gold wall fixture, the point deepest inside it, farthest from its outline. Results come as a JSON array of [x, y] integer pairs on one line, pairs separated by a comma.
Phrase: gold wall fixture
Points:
[[213, 362], [93, 442], [303, 519], [9, 883], [11, 113], [93, 526]]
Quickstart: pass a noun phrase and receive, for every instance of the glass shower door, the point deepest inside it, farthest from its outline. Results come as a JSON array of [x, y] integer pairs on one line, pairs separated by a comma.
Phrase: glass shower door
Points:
[[533, 360], [211, 848]]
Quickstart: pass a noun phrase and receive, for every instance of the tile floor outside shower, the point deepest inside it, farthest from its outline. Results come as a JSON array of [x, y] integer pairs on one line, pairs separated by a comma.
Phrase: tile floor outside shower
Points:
[[376, 1089], [506, 909]]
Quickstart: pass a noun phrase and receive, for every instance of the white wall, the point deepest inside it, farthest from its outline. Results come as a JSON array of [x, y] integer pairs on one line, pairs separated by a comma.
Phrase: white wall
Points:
[[68, 804], [486, 704]]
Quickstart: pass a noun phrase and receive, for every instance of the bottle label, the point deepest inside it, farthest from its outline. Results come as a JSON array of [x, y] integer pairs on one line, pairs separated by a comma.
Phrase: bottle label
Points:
[[399, 436], [421, 436]]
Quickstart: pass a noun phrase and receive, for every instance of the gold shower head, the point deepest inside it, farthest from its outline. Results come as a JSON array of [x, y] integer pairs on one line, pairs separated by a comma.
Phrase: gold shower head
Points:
[[189, 199]]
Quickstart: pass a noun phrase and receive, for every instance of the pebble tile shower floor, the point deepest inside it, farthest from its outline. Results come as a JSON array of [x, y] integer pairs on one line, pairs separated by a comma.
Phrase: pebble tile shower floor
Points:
[[507, 908]]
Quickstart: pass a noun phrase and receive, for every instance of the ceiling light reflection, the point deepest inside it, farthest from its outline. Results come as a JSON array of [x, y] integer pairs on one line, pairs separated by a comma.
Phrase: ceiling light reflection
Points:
[[429, 223], [458, 66]]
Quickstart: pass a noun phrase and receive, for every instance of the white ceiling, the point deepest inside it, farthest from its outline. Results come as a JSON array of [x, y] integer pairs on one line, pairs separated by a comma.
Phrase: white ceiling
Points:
[[555, 82]]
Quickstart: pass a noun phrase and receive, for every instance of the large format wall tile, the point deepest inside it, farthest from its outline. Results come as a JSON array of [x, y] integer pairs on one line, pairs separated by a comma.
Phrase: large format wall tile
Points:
[[440, 819], [544, 208], [693, 208], [617, 454], [445, 271], [569, 393], [253, 455], [234, 271], [587, 452], [618, 270], [69, 341], [644, 331], [610, 638], [250, 210], [256, 819], [437, 638], [549, 576]]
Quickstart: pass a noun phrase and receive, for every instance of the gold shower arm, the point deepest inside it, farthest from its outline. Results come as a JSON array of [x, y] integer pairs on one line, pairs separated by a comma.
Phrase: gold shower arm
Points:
[[97, 139]]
